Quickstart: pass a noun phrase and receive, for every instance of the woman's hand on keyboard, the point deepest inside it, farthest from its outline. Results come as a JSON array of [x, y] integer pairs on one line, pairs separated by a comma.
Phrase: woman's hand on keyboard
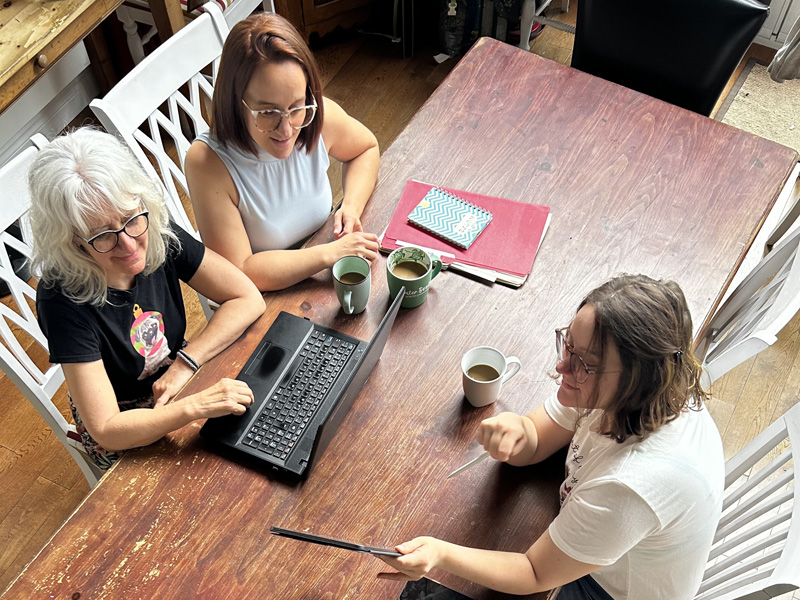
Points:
[[227, 397]]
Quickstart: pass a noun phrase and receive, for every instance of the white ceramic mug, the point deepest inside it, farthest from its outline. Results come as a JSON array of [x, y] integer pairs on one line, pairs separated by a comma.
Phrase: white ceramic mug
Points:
[[484, 370]]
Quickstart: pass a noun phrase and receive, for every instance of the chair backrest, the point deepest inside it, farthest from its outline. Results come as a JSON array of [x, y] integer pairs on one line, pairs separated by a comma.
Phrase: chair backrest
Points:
[[23, 351], [756, 551], [172, 75], [754, 313], [241, 9], [681, 51], [134, 12]]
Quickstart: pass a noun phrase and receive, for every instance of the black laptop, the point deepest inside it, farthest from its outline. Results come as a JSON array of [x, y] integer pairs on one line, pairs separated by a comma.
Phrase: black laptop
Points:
[[305, 378]]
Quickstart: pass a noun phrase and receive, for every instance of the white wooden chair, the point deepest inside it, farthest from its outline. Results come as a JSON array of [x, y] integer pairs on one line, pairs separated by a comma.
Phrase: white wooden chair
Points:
[[133, 12], [790, 198], [19, 329], [756, 551], [749, 320], [132, 109]]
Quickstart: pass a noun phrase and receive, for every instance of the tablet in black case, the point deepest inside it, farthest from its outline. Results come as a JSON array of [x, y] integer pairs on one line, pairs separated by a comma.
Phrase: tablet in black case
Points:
[[326, 541]]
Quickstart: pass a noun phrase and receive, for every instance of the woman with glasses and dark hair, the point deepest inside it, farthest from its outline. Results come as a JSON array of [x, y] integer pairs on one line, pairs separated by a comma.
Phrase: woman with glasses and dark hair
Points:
[[644, 468], [109, 298], [258, 179]]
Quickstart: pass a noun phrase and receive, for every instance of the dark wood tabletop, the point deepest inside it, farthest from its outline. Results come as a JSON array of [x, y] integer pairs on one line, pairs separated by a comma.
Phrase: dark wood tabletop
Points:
[[635, 186]]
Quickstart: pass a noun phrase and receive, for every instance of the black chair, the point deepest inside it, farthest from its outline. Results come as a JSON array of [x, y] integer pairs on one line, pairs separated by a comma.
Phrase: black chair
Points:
[[681, 51]]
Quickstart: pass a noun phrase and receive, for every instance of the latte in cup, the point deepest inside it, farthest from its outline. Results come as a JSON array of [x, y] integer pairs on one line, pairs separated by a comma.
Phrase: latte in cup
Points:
[[409, 269], [483, 373], [352, 278]]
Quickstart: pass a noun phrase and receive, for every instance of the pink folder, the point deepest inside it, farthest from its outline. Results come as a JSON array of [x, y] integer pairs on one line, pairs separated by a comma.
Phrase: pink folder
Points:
[[506, 247]]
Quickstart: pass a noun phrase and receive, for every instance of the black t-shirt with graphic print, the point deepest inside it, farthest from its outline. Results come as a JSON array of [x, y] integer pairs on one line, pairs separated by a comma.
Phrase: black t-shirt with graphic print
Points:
[[136, 334]]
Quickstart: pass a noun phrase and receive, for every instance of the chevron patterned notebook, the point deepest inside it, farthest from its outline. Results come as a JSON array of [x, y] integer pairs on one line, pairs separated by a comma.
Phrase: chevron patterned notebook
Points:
[[449, 217]]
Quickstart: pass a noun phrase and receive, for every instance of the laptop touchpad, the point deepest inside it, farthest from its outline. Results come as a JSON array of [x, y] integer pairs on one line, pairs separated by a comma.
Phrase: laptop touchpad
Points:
[[270, 360]]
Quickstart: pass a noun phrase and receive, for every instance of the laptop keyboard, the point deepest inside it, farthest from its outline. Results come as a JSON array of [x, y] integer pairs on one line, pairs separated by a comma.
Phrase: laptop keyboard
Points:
[[289, 410]]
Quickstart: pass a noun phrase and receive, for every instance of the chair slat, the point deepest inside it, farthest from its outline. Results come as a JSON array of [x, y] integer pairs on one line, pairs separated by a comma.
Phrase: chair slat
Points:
[[729, 544], [737, 587], [744, 568], [758, 511], [757, 497], [722, 565], [753, 314], [754, 480]]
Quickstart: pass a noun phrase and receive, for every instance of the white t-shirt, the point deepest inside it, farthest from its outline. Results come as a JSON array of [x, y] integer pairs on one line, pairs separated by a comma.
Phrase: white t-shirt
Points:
[[281, 201], [644, 510]]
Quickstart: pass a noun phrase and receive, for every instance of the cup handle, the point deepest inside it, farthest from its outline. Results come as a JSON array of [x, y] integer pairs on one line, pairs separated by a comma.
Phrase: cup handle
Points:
[[347, 303], [512, 366], [436, 265]]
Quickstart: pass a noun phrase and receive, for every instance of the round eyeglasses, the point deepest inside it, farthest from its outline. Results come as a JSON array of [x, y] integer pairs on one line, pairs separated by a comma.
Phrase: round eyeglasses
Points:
[[108, 240], [268, 120], [577, 367]]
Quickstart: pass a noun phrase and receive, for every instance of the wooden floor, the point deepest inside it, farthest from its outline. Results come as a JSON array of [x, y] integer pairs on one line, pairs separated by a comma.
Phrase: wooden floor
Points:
[[41, 485]]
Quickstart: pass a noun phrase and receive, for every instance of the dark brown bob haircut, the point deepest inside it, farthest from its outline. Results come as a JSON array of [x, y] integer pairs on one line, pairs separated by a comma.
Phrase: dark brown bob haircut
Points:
[[648, 321], [261, 38]]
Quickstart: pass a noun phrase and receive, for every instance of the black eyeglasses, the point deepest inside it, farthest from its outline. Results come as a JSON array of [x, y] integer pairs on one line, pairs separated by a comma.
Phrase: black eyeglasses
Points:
[[577, 367], [108, 240]]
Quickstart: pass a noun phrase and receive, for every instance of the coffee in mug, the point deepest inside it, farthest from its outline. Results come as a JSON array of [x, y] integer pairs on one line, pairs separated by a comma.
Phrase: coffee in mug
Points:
[[484, 370], [352, 278], [483, 373], [411, 268]]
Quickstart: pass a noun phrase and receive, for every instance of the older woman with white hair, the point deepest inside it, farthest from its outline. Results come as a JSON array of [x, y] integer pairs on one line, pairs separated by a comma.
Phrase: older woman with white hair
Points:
[[109, 298]]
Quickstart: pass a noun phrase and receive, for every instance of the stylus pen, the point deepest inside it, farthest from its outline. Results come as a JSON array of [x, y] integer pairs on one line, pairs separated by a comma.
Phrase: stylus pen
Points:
[[471, 463]]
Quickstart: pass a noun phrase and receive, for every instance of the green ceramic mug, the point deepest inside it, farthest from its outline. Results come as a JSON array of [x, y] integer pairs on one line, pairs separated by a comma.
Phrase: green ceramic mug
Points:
[[351, 278], [413, 268]]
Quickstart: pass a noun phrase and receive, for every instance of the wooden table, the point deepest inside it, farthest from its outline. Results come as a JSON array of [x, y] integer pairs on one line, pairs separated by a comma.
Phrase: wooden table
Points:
[[635, 185], [34, 34]]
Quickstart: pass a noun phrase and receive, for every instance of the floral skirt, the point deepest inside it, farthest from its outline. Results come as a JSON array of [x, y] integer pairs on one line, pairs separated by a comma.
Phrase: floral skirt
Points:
[[100, 456]]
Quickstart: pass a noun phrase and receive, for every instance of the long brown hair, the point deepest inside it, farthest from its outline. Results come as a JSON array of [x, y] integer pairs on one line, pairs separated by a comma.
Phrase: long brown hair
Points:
[[649, 322], [262, 37]]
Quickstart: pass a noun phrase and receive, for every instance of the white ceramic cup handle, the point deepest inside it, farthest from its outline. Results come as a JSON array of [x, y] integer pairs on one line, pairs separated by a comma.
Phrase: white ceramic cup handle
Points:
[[512, 366], [348, 304]]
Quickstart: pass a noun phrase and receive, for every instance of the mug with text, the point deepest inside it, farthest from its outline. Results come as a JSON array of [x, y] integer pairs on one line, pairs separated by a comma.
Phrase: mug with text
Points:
[[484, 370], [413, 268], [351, 278]]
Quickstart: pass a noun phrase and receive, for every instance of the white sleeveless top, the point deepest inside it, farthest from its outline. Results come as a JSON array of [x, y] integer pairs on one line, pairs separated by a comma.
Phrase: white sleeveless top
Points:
[[281, 201]]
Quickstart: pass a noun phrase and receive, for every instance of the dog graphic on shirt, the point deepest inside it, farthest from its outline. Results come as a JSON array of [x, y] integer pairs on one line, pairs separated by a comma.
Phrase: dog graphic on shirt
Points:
[[148, 339]]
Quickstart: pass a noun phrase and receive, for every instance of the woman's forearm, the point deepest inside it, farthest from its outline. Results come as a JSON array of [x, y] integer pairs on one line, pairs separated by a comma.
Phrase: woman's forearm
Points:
[[227, 324], [529, 453], [142, 426], [278, 269], [358, 180], [507, 572]]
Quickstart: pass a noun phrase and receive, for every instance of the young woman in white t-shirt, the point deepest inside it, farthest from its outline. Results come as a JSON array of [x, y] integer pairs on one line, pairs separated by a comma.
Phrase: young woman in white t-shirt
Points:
[[258, 179], [642, 495]]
